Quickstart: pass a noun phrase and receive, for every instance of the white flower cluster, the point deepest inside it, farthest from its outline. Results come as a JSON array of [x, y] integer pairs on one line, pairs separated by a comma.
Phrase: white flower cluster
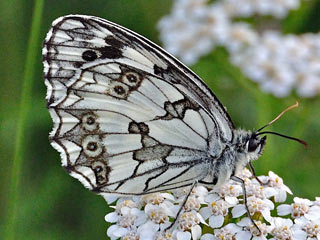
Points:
[[279, 63], [248, 8], [217, 214]]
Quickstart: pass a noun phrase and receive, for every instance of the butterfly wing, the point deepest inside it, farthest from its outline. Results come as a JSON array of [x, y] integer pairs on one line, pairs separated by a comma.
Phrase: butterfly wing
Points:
[[128, 117]]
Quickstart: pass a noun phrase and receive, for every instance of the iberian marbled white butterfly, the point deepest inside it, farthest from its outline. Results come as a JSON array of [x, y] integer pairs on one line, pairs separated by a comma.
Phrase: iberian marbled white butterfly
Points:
[[131, 119]]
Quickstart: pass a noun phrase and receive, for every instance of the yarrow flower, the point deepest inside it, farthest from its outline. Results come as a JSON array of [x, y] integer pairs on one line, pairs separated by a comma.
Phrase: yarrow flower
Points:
[[281, 228], [216, 210], [300, 208], [250, 231], [255, 205], [278, 63], [275, 187], [213, 214]]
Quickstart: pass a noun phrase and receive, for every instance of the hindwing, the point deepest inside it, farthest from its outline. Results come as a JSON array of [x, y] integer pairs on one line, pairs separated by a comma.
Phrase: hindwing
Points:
[[128, 117]]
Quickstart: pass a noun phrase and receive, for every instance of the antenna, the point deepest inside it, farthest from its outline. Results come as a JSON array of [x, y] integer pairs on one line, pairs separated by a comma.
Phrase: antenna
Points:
[[279, 134], [285, 136], [279, 116]]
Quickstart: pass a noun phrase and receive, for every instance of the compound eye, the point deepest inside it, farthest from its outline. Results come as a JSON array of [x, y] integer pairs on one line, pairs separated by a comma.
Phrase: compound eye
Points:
[[252, 145]]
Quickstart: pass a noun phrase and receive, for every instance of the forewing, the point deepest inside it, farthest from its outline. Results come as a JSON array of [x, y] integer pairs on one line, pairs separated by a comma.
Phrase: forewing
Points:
[[128, 117]]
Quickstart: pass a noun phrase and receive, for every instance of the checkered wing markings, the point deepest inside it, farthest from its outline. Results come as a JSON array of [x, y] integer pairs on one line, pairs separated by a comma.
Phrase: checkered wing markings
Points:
[[124, 111]]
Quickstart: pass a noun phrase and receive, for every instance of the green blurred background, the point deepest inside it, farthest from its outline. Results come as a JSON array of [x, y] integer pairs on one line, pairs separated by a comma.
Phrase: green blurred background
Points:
[[51, 204]]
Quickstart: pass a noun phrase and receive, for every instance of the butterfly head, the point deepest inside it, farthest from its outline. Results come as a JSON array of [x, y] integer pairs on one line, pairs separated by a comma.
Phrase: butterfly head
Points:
[[255, 143], [249, 144]]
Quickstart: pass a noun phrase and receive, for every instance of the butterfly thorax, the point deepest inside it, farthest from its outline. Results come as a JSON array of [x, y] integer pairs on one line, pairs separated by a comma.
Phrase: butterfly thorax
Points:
[[245, 147]]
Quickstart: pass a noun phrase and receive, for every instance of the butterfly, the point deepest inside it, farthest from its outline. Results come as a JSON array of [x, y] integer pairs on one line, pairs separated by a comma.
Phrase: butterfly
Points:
[[130, 119]]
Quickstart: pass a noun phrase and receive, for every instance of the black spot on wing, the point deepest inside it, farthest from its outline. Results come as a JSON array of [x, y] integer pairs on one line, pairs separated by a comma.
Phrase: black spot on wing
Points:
[[169, 74], [141, 128], [178, 108], [158, 70], [110, 52], [101, 171], [133, 128], [89, 55], [152, 153], [111, 41]]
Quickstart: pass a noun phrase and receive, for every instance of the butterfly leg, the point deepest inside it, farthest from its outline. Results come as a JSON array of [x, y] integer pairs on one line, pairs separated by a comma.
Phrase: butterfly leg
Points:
[[254, 173], [241, 181], [181, 207]]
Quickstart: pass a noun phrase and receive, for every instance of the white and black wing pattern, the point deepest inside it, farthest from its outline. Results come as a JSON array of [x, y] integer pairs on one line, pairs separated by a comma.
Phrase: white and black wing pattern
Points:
[[128, 117]]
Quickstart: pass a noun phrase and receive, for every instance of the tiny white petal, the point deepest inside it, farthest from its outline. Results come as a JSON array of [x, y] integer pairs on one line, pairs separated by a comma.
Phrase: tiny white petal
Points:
[[269, 191], [111, 229], [201, 219], [281, 196], [146, 235], [299, 235], [278, 222], [196, 232], [150, 207], [212, 198], [205, 212], [238, 210], [269, 204], [168, 196], [148, 226], [111, 217], [201, 190], [164, 226], [135, 211], [216, 221], [233, 227], [259, 238], [231, 200], [125, 210], [313, 214], [266, 214], [207, 236], [183, 235], [284, 209], [142, 218], [243, 235], [120, 231], [302, 201], [244, 222], [299, 222]]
